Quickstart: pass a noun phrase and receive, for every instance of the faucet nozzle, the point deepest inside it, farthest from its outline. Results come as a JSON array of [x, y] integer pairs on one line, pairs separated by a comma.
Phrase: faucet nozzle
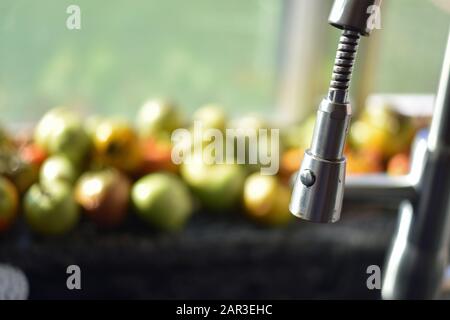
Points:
[[319, 186]]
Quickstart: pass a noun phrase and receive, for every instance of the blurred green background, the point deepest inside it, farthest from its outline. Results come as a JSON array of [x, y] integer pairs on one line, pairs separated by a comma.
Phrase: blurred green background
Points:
[[194, 51], [127, 51], [413, 38]]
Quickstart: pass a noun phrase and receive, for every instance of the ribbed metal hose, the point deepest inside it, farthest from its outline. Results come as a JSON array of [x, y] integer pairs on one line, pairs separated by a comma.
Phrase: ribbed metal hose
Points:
[[343, 66]]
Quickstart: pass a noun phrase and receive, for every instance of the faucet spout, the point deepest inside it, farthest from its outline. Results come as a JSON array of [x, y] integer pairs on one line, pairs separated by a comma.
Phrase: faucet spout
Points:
[[319, 187]]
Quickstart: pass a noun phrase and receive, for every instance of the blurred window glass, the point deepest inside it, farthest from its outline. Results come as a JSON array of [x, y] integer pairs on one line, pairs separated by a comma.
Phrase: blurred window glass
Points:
[[413, 38], [195, 52]]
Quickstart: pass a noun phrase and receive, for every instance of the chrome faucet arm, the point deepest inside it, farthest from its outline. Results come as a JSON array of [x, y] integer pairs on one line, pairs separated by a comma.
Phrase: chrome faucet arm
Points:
[[379, 187], [419, 253]]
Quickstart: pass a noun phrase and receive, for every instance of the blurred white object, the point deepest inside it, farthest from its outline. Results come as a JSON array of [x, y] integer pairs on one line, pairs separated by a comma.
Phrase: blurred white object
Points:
[[442, 4], [13, 283], [446, 282], [299, 55], [412, 105]]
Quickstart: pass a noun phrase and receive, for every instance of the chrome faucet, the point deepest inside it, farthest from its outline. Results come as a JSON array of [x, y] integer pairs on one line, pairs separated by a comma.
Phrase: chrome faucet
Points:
[[418, 256]]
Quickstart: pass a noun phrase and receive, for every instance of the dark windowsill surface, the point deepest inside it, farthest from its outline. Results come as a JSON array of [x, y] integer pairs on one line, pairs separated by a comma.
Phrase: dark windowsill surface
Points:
[[215, 256]]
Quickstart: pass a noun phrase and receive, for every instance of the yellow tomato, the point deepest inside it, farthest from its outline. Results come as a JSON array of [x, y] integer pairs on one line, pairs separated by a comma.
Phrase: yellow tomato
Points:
[[116, 144], [266, 200]]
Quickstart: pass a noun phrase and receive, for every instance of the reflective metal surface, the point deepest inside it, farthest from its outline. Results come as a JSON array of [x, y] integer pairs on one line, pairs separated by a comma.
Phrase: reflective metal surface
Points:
[[419, 253], [308, 198], [318, 189], [418, 256], [352, 15]]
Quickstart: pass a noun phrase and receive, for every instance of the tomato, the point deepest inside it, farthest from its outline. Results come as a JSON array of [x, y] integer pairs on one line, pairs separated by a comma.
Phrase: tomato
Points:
[[9, 203]]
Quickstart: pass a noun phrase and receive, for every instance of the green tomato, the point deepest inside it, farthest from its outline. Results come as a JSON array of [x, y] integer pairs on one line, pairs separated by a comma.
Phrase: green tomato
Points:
[[71, 141], [51, 209], [158, 118], [211, 117], [61, 131], [46, 126], [162, 200], [219, 187], [58, 168]]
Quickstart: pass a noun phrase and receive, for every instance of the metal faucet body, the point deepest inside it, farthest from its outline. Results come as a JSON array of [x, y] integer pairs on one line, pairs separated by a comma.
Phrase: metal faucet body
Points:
[[418, 256], [419, 252]]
